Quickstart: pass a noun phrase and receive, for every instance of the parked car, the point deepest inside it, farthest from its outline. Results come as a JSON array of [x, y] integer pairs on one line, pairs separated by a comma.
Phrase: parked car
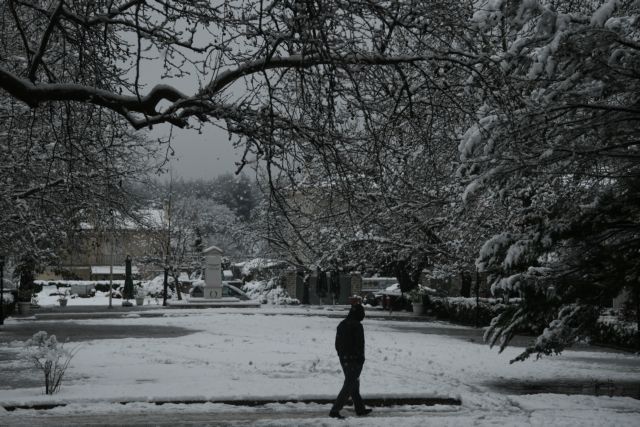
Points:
[[371, 299], [392, 298], [228, 290], [84, 290]]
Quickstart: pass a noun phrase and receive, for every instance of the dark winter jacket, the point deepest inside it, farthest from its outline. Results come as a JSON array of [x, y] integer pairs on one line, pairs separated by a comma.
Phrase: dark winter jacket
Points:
[[350, 336]]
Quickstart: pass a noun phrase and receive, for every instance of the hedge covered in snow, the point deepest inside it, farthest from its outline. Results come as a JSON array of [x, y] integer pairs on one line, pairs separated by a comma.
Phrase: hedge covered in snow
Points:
[[616, 333], [609, 330], [465, 310]]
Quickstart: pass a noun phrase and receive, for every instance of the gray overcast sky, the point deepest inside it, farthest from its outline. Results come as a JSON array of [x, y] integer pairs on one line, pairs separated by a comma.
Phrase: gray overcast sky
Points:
[[199, 155]]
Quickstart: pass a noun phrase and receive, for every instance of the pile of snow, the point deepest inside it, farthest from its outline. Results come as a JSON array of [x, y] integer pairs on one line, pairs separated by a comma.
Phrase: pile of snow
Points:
[[268, 292]]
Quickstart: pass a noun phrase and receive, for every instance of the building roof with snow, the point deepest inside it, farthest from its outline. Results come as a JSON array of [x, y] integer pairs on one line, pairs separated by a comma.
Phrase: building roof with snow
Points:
[[117, 270]]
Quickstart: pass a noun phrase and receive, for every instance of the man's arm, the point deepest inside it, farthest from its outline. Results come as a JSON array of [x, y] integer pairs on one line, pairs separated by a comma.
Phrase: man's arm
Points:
[[359, 341], [340, 340]]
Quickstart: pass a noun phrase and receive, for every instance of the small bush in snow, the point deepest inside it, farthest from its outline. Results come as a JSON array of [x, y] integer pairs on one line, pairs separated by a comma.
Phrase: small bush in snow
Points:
[[50, 356]]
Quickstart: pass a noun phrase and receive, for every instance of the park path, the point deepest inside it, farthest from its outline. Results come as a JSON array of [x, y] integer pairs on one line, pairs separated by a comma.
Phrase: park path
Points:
[[266, 417]]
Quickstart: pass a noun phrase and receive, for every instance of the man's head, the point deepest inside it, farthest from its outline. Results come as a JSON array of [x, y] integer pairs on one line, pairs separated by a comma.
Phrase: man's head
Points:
[[356, 312]]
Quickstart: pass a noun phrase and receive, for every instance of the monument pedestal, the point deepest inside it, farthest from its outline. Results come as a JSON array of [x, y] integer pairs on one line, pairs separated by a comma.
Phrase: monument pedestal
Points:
[[212, 289]]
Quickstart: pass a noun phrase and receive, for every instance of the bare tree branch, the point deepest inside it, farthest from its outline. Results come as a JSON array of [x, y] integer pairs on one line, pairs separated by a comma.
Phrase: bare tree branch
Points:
[[44, 41]]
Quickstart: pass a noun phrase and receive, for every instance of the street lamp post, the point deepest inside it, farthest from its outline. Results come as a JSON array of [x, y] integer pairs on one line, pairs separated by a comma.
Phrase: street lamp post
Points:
[[112, 248], [1, 289], [165, 283]]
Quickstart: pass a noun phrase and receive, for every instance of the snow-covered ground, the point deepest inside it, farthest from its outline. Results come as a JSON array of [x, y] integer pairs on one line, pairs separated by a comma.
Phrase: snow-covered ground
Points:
[[263, 291], [265, 353], [49, 296]]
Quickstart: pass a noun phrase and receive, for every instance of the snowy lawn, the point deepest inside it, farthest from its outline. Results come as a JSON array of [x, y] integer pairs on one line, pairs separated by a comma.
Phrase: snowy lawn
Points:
[[49, 296], [262, 353]]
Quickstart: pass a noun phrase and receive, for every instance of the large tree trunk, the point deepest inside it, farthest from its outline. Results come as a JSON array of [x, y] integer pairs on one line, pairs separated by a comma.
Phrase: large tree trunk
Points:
[[465, 288], [407, 279]]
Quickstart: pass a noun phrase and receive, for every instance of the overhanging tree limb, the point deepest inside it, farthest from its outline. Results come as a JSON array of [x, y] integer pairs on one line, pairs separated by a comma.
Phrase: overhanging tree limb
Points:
[[182, 106]]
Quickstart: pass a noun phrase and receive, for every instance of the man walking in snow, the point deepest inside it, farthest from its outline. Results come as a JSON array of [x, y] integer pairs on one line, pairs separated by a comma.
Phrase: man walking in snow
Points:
[[350, 348]]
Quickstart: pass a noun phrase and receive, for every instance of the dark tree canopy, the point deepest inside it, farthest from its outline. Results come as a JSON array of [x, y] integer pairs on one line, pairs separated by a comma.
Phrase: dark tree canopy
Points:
[[420, 133]]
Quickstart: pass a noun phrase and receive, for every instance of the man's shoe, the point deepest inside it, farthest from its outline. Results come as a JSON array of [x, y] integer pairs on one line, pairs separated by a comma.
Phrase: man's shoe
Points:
[[364, 412], [336, 415]]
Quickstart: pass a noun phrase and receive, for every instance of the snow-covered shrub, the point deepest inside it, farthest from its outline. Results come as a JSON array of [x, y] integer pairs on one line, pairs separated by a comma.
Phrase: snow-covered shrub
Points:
[[47, 354], [268, 292], [8, 304], [261, 268], [155, 287]]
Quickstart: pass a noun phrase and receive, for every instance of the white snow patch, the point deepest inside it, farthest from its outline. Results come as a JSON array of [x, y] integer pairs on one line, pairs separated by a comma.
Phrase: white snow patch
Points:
[[263, 353]]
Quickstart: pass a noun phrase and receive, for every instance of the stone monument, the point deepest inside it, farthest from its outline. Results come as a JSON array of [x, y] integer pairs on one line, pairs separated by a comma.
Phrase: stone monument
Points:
[[212, 273]]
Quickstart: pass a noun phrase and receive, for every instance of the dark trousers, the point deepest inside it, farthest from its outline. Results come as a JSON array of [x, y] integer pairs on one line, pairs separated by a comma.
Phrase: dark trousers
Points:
[[351, 387]]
